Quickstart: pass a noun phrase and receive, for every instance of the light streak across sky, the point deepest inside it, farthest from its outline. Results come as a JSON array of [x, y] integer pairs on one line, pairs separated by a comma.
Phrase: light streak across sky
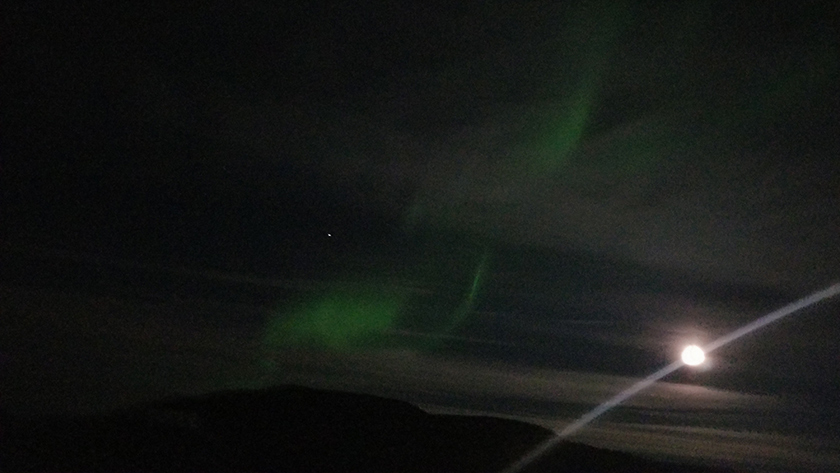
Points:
[[584, 420]]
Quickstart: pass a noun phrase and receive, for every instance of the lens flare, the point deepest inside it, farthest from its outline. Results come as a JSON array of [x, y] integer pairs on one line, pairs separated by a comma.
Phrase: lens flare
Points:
[[545, 446]]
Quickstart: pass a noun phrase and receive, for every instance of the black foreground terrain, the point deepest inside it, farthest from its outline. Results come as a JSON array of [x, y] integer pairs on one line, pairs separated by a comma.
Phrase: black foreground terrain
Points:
[[293, 429]]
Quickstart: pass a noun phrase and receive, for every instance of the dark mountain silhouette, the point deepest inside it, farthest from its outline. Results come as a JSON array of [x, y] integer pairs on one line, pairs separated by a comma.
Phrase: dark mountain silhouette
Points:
[[292, 429]]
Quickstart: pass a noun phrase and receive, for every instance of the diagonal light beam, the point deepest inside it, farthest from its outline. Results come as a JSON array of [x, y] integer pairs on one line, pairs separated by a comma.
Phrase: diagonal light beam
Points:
[[570, 429]]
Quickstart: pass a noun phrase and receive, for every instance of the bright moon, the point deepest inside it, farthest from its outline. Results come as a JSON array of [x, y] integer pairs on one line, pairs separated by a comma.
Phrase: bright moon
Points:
[[693, 355]]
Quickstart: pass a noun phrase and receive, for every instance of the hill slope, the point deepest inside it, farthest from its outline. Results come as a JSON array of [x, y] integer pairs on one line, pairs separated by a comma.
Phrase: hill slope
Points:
[[295, 430]]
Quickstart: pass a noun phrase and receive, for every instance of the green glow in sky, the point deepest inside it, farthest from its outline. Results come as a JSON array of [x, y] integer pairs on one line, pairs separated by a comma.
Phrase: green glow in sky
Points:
[[566, 129], [591, 38], [344, 317], [479, 276], [469, 302]]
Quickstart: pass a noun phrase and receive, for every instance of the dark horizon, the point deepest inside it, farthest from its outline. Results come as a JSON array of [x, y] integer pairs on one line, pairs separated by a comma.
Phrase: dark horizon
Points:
[[292, 428]]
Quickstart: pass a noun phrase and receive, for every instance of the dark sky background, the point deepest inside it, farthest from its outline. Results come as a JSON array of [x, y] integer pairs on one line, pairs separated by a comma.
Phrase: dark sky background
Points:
[[507, 208]]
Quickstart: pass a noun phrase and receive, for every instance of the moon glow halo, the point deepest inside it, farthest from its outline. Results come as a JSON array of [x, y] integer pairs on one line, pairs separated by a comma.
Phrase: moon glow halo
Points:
[[693, 355]]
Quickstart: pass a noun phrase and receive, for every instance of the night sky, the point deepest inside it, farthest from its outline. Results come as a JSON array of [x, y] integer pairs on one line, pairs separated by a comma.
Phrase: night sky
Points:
[[517, 209]]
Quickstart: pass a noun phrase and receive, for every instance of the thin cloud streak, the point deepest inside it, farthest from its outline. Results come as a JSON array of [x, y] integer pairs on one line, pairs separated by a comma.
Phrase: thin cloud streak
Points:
[[410, 370], [445, 336], [710, 445]]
